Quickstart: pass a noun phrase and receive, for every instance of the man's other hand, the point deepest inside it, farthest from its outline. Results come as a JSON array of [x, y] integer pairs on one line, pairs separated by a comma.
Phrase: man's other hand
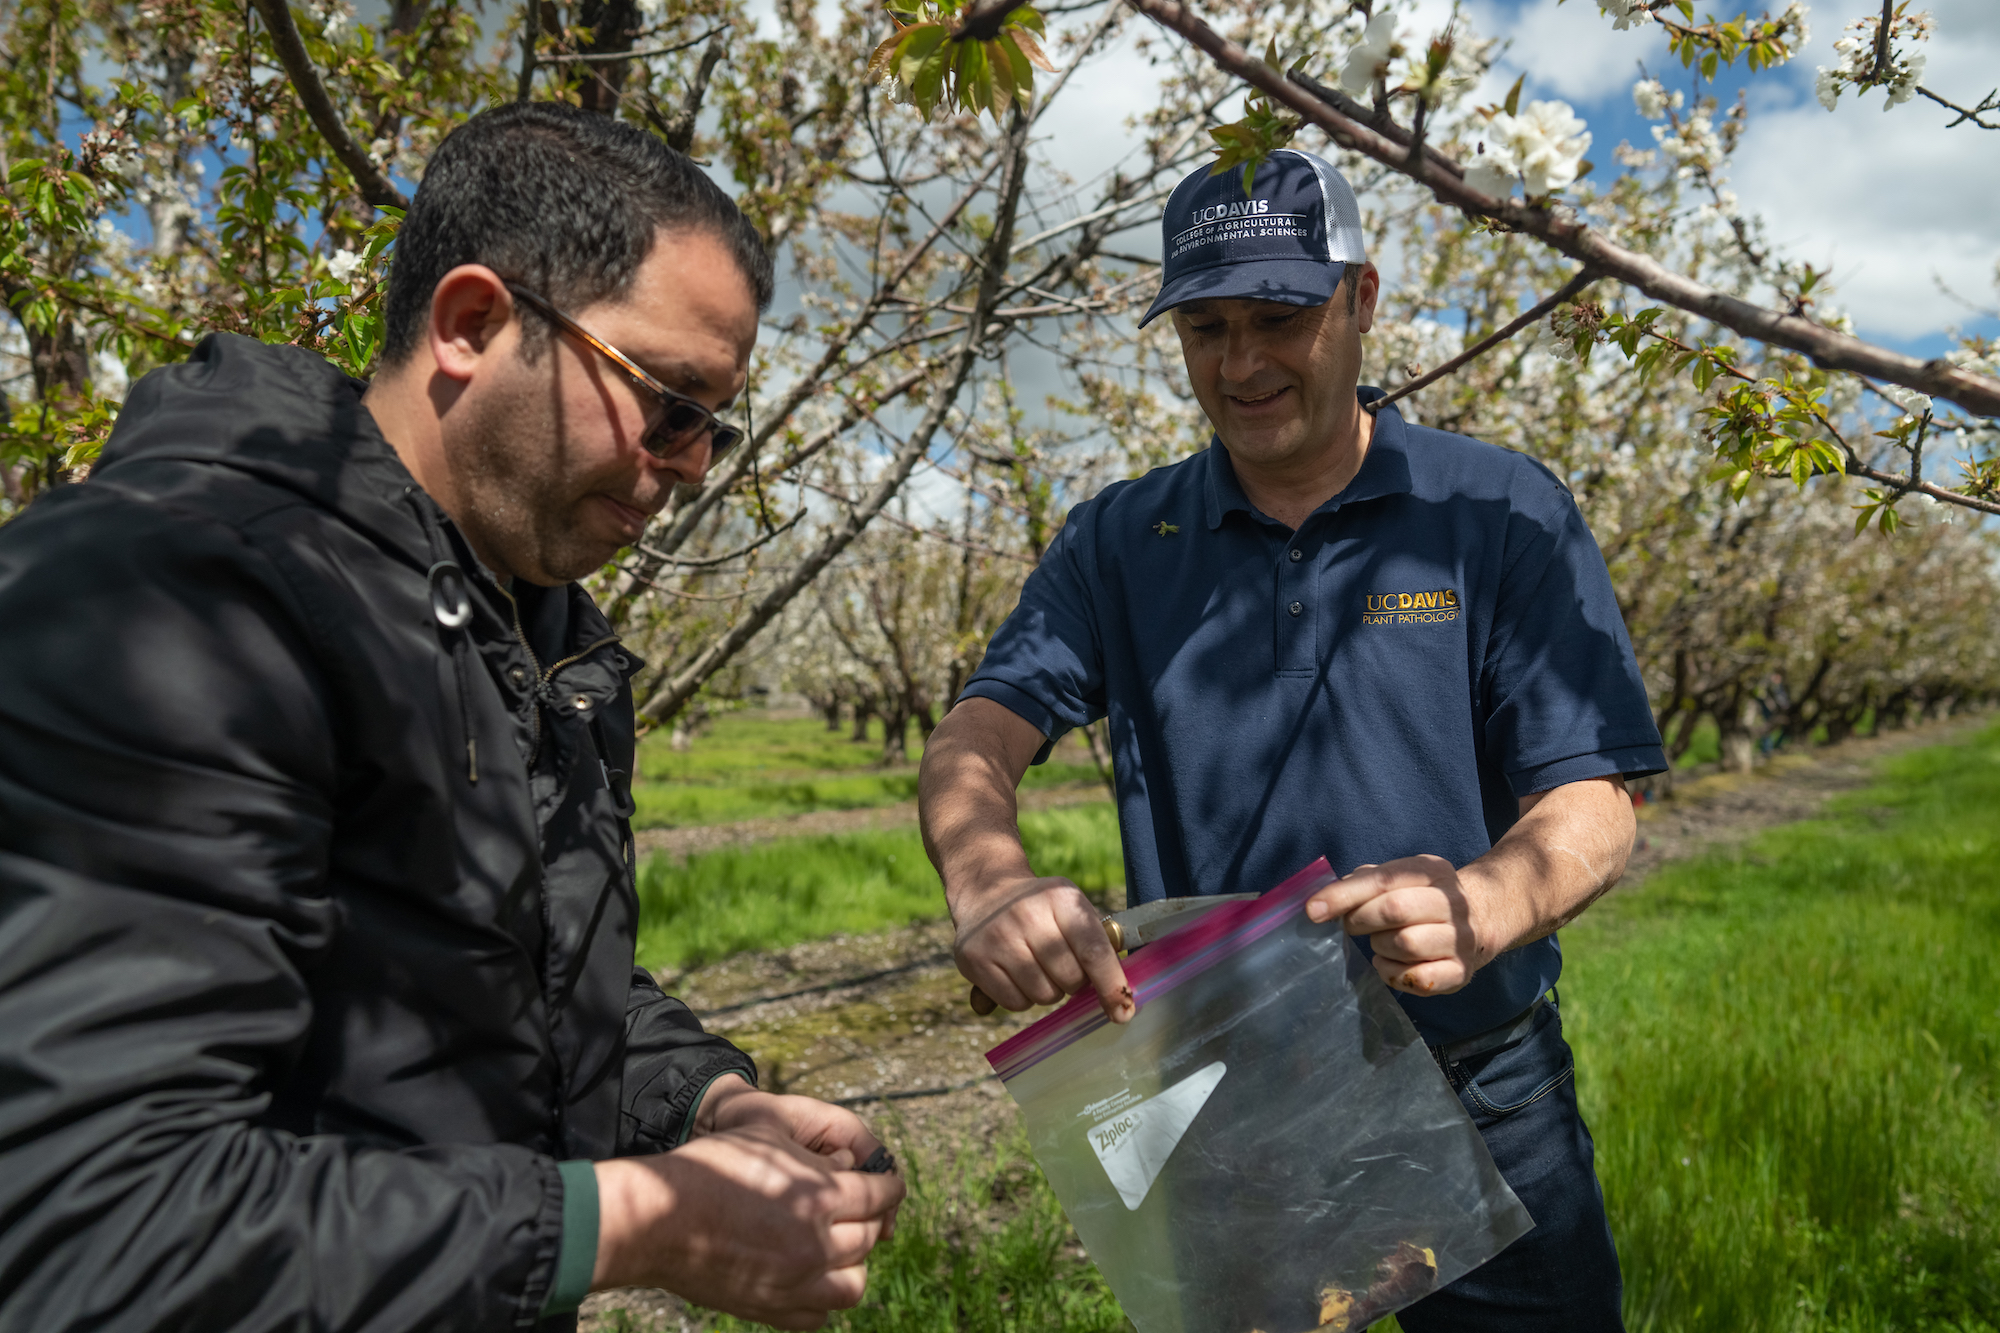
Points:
[[834, 1132], [746, 1221], [1028, 940], [1418, 917]]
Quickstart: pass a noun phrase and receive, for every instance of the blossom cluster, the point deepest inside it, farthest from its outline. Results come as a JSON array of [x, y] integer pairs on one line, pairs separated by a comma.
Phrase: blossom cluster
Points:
[[1629, 13], [1542, 147], [1653, 100], [1856, 66], [1570, 324]]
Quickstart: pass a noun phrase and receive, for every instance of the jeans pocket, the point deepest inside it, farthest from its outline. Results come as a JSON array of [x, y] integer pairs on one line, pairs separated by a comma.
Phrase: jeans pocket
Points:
[[1495, 1086], [1483, 1105]]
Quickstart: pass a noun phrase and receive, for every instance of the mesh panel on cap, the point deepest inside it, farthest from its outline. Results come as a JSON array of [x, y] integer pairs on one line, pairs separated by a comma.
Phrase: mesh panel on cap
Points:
[[1343, 215]]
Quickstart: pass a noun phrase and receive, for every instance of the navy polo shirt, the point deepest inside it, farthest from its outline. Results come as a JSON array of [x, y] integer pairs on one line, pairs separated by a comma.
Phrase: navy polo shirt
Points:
[[1433, 643]]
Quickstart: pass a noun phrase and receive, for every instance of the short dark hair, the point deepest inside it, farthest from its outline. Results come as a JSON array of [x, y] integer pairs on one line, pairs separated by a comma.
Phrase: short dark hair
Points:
[[561, 200]]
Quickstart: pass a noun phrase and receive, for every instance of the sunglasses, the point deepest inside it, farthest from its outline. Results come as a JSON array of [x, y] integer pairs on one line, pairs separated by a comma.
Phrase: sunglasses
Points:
[[677, 422]]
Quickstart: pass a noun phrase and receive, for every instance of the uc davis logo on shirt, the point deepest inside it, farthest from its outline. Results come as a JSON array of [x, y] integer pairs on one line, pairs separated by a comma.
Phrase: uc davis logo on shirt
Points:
[[1410, 608]]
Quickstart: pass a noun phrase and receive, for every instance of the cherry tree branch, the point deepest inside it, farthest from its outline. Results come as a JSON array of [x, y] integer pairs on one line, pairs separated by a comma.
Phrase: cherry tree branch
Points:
[[369, 181], [1568, 291], [1562, 230], [1990, 102]]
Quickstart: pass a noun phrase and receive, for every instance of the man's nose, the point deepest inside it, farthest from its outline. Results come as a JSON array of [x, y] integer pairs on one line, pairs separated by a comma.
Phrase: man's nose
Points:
[[1242, 357]]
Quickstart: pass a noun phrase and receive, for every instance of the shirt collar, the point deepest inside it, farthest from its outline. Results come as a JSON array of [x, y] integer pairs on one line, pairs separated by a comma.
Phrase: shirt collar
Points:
[[1385, 470]]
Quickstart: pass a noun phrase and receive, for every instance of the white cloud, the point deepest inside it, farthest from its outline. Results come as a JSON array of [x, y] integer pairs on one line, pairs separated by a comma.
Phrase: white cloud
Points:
[[1569, 50], [1891, 200]]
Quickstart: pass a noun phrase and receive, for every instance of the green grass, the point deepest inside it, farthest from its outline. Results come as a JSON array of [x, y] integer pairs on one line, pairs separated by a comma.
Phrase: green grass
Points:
[[1790, 1059], [773, 894], [750, 766]]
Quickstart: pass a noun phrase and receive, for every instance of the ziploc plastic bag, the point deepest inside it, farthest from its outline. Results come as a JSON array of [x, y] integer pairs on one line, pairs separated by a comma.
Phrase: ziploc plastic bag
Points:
[[1267, 1146]]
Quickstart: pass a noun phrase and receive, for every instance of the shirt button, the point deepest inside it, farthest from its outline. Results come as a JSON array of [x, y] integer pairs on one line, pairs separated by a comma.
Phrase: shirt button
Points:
[[518, 675], [1297, 554], [1296, 607]]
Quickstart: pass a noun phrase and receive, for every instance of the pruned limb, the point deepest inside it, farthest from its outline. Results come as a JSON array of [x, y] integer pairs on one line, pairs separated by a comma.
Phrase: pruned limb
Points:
[[369, 180], [1562, 230], [1569, 291]]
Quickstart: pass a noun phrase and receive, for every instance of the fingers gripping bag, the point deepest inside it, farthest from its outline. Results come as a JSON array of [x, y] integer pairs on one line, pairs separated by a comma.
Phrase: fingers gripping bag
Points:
[[1268, 1146]]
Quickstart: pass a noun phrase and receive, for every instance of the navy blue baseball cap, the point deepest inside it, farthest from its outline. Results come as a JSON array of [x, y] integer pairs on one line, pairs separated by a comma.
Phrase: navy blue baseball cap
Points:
[[1290, 239]]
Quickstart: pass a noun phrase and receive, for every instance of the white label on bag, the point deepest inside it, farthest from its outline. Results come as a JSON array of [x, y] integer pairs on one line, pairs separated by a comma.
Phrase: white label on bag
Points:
[[1135, 1143]]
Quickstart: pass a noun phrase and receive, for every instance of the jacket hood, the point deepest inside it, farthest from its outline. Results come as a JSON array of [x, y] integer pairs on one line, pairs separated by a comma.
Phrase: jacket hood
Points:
[[284, 414]]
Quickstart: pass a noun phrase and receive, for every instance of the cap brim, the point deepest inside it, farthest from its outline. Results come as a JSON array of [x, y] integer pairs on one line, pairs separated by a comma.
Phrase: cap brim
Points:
[[1287, 281]]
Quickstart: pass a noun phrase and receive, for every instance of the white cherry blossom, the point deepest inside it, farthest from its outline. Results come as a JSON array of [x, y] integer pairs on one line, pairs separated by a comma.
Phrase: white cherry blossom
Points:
[[1541, 147], [1369, 61], [342, 265], [1912, 402], [1629, 13]]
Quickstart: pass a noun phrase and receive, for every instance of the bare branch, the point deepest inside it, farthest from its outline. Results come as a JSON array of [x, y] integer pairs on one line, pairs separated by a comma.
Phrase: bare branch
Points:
[[1562, 230], [531, 33], [1990, 102], [1567, 292], [373, 186], [990, 265], [710, 562]]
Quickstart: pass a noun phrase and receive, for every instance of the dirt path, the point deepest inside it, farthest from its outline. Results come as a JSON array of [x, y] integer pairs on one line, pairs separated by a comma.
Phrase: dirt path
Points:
[[880, 1021]]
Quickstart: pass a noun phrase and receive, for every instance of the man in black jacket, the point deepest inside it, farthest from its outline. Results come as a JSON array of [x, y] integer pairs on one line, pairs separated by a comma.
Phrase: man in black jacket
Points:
[[317, 997]]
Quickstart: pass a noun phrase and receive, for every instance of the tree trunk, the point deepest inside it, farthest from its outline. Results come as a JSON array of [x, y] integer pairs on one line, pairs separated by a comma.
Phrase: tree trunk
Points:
[[1100, 755], [896, 738]]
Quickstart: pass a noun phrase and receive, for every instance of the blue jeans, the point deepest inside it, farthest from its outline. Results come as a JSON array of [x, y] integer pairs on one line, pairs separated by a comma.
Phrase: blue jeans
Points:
[[1562, 1277]]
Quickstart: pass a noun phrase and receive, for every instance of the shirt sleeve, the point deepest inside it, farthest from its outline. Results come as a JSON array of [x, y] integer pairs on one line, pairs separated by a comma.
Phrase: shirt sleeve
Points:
[[576, 1261], [1564, 698], [1046, 661]]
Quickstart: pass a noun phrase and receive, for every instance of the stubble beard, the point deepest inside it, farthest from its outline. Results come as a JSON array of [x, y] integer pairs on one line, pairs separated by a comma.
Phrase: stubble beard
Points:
[[519, 505]]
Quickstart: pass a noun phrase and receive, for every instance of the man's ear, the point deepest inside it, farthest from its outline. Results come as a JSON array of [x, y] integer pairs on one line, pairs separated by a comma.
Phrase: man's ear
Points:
[[1366, 288], [469, 308]]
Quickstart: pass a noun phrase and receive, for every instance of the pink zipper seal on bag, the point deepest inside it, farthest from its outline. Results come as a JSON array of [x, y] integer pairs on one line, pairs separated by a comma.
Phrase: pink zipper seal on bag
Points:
[[1159, 968]]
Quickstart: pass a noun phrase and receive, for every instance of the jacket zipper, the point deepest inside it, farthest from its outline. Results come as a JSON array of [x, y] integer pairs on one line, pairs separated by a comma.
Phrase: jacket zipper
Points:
[[543, 678]]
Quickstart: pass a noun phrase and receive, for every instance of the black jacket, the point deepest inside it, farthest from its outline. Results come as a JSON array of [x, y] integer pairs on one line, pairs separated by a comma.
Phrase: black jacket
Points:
[[316, 909]]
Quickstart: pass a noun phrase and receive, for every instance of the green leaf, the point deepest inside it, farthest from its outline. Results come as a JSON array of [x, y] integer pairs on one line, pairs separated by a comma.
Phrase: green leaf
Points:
[[929, 82], [1513, 103], [1019, 70], [917, 48], [1709, 64]]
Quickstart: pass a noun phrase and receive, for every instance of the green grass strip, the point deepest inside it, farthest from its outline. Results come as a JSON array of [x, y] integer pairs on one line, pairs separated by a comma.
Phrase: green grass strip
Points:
[[1790, 1059], [774, 894], [666, 804]]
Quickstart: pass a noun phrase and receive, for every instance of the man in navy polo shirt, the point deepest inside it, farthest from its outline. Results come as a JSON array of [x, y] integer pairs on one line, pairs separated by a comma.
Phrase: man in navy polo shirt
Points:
[[1331, 632]]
